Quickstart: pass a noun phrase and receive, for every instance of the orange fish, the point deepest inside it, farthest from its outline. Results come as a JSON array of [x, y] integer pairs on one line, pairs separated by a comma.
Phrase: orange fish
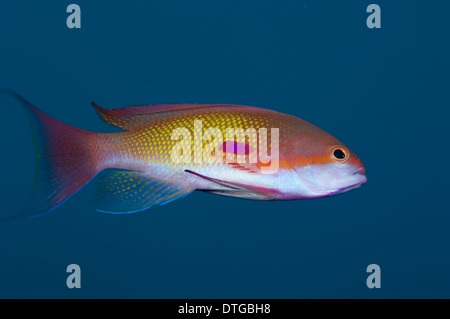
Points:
[[167, 151]]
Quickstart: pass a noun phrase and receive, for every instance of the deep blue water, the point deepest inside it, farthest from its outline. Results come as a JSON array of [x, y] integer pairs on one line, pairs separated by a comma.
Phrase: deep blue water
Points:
[[383, 92]]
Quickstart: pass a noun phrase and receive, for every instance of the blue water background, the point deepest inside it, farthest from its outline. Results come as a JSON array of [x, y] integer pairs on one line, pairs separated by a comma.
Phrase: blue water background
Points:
[[384, 92]]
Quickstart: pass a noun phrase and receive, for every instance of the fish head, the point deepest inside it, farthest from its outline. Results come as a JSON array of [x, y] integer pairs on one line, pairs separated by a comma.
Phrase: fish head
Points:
[[323, 165]]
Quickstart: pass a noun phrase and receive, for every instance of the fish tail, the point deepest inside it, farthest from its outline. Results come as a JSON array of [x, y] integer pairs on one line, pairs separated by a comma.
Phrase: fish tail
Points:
[[64, 161]]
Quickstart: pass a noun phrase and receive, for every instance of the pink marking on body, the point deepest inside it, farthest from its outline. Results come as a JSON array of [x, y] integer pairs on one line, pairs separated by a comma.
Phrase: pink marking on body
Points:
[[236, 148]]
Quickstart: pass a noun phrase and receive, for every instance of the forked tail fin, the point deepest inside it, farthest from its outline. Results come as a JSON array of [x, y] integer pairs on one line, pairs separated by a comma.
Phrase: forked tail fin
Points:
[[64, 163]]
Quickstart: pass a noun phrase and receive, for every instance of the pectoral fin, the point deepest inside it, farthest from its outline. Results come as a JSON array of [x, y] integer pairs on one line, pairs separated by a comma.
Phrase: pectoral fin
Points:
[[238, 189]]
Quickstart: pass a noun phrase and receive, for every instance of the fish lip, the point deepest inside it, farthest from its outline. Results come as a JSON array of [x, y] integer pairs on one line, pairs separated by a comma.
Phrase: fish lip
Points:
[[360, 171], [363, 180]]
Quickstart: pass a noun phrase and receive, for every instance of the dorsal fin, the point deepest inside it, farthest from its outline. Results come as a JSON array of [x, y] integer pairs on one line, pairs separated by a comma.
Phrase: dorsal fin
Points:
[[136, 116]]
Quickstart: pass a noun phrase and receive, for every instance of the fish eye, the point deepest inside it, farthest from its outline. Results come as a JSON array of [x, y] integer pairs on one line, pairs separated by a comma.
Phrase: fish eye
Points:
[[340, 154]]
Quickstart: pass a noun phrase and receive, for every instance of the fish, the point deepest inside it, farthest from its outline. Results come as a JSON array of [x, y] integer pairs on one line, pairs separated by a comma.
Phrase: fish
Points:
[[164, 152]]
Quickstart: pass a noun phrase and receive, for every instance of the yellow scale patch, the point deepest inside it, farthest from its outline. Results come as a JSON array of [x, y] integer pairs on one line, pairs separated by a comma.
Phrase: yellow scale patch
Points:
[[153, 143]]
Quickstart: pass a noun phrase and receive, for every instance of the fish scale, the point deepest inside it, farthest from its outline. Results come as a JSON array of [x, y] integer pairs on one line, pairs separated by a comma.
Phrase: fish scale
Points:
[[153, 142]]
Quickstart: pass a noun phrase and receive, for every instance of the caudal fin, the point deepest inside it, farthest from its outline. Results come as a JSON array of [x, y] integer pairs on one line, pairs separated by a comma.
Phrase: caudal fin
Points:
[[64, 163]]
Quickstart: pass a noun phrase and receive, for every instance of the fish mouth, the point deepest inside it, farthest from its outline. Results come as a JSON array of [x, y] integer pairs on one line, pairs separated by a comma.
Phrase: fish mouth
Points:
[[361, 179], [359, 173], [330, 179], [359, 170]]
